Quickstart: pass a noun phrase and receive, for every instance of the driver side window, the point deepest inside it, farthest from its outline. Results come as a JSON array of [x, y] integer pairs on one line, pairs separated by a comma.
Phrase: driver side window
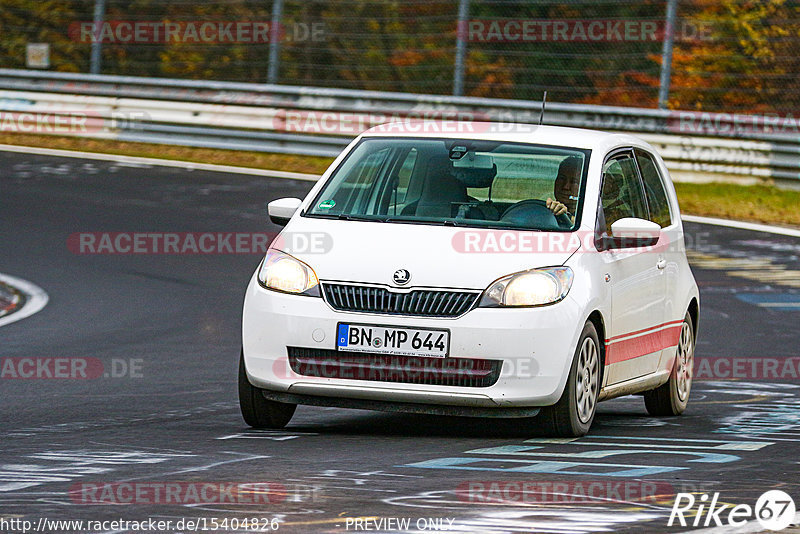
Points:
[[622, 194]]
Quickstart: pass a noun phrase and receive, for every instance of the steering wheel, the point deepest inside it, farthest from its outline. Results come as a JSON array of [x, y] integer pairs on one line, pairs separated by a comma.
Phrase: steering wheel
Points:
[[476, 209], [535, 213]]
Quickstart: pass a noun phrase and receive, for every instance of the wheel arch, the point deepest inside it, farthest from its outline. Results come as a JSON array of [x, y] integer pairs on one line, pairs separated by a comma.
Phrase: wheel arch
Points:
[[694, 313], [596, 318]]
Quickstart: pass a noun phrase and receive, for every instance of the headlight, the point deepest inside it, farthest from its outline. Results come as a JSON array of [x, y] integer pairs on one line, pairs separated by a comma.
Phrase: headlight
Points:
[[282, 272], [536, 287]]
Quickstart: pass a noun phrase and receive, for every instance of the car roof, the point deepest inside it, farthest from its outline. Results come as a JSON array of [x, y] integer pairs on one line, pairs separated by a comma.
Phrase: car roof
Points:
[[508, 132]]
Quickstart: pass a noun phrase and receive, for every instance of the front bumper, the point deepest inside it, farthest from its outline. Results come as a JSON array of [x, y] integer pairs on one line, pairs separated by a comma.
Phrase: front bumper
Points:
[[536, 346]]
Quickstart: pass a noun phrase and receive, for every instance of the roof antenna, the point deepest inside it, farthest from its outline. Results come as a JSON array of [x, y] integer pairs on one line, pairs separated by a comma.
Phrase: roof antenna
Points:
[[544, 101]]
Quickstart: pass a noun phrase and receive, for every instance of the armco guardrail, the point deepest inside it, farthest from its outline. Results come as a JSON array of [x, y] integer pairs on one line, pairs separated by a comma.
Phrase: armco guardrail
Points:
[[321, 121]]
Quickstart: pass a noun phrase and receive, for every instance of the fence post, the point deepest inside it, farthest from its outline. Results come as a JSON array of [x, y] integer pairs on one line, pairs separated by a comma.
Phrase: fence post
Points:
[[461, 47], [666, 54], [97, 45], [275, 41]]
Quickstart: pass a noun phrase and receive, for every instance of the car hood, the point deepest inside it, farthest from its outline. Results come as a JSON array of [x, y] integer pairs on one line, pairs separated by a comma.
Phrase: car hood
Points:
[[435, 256]]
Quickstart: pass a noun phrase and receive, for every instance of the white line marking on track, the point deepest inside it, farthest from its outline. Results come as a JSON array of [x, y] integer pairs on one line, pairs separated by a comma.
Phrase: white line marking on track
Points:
[[36, 298], [276, 436]]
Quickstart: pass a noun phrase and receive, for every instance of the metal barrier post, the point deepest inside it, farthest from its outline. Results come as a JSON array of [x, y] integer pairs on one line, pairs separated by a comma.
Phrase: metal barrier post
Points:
[[97, 44], [666, 54], [461, 47], [275, 41]]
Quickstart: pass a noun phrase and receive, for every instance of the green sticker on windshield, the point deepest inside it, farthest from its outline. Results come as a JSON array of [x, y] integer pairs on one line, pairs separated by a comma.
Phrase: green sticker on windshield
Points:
[[327, 204]]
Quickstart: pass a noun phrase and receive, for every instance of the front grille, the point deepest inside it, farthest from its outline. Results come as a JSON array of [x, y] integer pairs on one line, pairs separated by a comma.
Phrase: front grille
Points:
[[418, 302], [461, 372]]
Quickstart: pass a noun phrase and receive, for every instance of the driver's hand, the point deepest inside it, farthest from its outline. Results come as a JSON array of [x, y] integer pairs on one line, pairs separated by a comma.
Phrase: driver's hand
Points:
[[556, 207]]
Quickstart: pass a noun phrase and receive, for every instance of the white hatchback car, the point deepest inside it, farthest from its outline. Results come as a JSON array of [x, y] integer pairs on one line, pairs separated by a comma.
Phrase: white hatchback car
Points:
[[497, 271]]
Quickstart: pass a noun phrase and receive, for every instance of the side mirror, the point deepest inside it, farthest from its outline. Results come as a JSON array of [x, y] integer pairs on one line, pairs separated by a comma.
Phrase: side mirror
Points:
[[281, 210], [631, 232]]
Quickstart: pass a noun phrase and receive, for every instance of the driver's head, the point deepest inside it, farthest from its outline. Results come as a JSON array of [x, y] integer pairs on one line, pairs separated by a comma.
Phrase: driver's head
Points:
[[567, 182]]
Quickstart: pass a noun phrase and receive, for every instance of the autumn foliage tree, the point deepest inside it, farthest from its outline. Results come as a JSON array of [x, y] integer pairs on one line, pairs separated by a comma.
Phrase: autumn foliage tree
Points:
[[729, 55]]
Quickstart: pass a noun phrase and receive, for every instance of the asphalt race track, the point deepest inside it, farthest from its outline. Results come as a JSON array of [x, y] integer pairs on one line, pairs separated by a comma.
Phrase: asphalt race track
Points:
[[162, 408]]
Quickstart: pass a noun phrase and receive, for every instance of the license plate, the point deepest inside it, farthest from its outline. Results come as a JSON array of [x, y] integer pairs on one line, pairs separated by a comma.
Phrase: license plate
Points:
[[423, 342]]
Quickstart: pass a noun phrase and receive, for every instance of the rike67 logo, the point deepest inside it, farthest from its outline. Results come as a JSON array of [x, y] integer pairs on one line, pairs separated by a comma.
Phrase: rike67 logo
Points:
[[774, 510]]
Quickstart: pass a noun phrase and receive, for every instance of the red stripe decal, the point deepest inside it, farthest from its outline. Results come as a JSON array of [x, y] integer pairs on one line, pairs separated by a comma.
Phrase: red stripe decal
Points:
[[642, 345]]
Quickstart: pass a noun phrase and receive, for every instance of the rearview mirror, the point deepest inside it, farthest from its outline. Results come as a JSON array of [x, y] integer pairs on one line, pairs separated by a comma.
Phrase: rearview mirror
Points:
[[471, 160], [281, 210], [632, 232]]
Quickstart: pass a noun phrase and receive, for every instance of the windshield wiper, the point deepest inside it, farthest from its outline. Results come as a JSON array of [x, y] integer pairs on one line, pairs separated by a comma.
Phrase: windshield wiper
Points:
[[349, 217], [420, 221], [516, 228]]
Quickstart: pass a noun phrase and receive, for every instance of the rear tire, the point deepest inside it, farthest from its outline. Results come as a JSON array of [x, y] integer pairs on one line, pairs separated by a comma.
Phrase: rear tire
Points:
[[671, 398], [257, 411], [574, 412]]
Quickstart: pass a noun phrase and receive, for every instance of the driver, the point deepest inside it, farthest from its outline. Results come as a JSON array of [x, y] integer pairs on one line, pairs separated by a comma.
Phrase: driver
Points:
[[565, 188]]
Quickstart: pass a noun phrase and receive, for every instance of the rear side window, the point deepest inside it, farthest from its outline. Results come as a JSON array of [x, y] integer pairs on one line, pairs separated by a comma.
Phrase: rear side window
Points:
[[622, 191], [654, 189]]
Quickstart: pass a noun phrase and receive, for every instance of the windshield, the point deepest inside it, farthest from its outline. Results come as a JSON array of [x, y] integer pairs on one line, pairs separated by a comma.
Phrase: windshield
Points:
[[457, 182]]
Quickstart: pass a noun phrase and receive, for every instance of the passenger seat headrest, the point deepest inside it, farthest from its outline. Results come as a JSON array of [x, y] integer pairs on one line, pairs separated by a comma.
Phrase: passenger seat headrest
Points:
[[475, 177]]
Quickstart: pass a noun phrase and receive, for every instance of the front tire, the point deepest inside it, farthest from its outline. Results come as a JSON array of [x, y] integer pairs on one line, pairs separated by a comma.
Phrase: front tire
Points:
[[574, 412], [671, 398], [257, 411]]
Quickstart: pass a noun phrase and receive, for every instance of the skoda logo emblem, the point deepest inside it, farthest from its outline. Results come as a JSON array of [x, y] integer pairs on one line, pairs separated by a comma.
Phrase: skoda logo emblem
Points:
[[401, 277]]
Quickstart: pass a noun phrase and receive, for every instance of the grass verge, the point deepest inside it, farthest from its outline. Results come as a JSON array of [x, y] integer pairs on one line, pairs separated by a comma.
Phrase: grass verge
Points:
[[757, 203], [258, 160]]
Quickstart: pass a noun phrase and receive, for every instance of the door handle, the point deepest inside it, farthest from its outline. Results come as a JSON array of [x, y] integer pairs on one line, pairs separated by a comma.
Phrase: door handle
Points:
[[661, 264]]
